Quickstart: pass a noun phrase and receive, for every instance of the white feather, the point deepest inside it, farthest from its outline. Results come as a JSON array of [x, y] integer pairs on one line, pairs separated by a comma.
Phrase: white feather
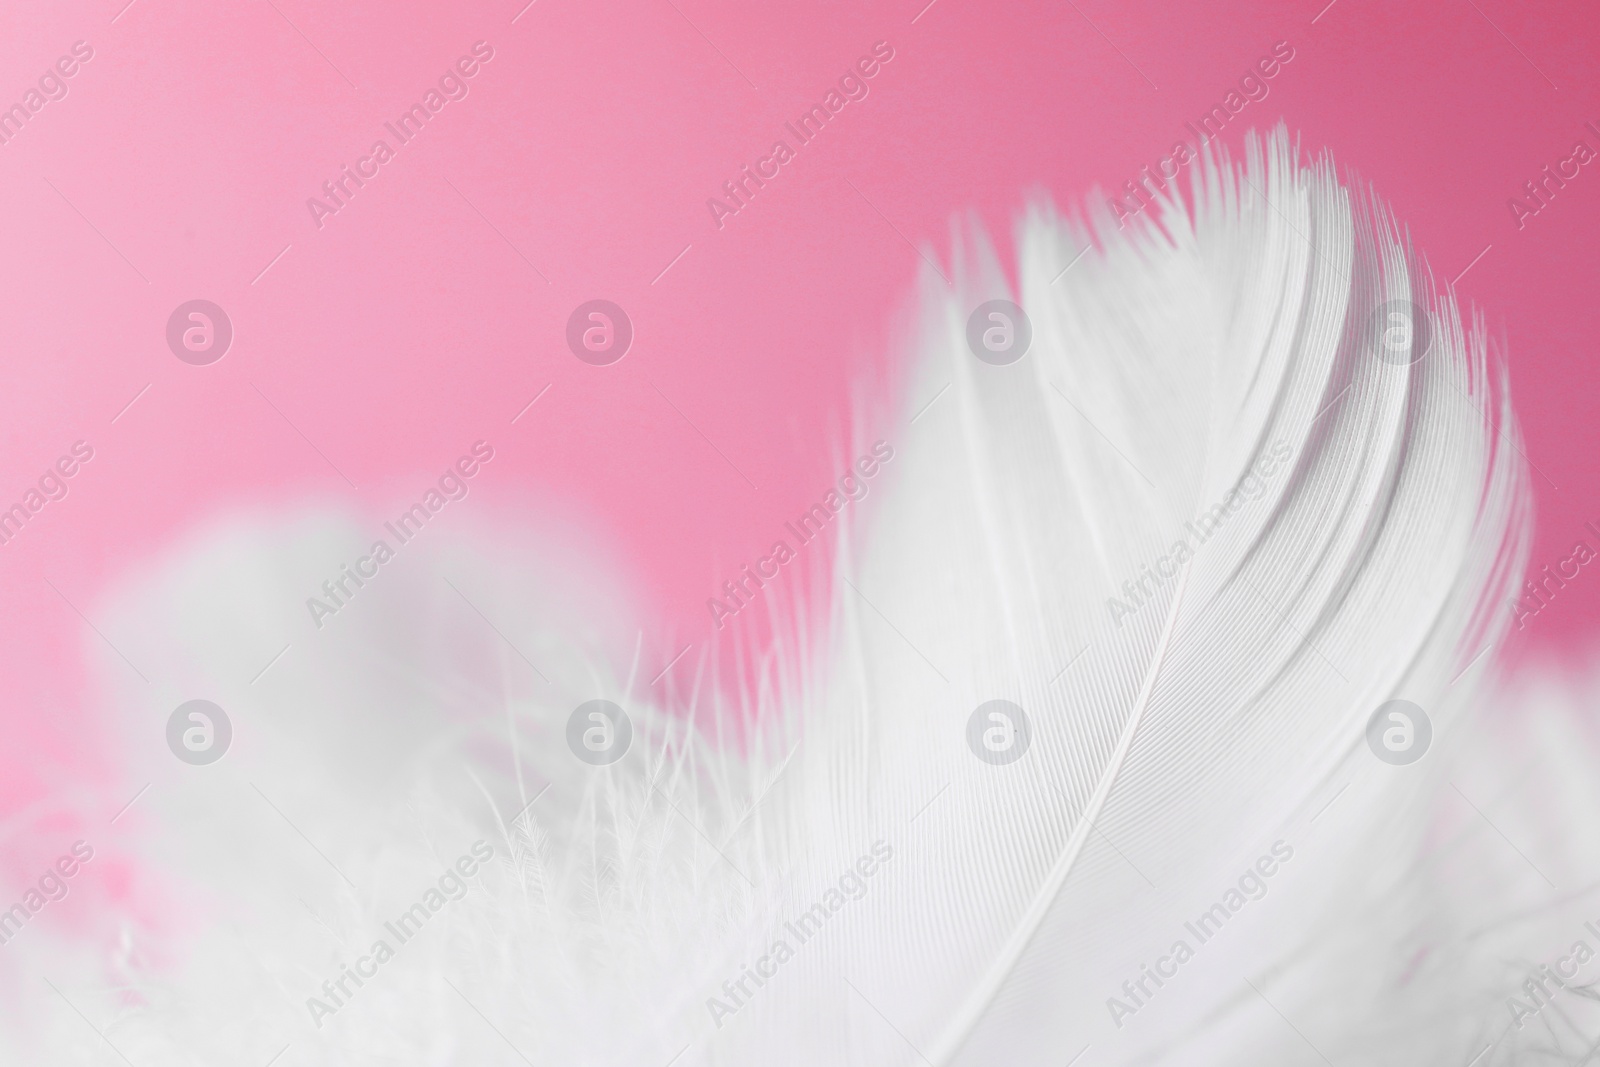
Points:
[[1171, 746]]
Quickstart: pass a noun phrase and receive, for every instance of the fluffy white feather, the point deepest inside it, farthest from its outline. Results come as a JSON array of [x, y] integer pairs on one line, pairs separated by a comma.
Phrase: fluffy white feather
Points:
[[1172, 743]]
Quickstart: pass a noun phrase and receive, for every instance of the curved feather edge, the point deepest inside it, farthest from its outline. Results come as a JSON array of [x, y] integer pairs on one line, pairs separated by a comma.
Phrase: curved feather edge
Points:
[[1173, 738]]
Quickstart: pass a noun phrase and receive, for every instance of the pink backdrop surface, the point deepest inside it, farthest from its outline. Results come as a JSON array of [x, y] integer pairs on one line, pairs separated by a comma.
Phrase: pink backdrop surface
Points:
[[373, 345]]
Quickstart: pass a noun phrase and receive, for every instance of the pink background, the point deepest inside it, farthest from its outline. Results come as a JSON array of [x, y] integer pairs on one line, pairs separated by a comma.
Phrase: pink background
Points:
[[179, 164]]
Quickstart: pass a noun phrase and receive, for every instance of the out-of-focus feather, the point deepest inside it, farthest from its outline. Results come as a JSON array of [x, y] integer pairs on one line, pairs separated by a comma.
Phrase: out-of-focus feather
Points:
[[1172, 741]]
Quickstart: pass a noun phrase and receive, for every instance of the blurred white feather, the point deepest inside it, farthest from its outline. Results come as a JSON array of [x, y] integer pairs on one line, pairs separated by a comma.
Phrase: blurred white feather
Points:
[[1169, 746]]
